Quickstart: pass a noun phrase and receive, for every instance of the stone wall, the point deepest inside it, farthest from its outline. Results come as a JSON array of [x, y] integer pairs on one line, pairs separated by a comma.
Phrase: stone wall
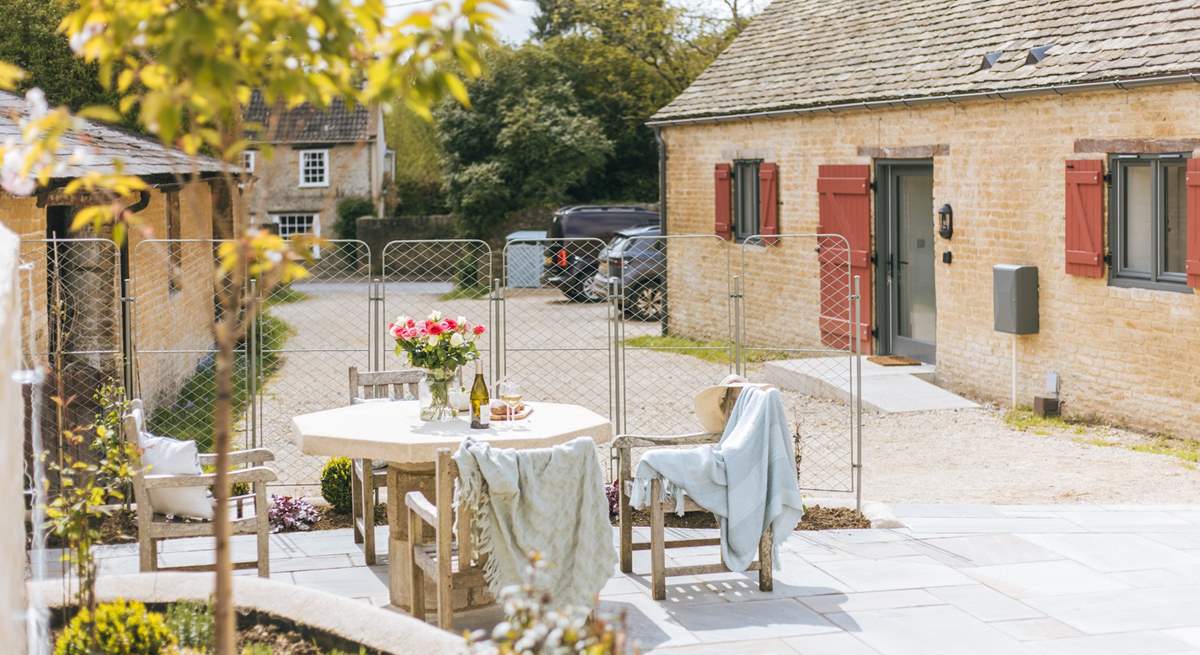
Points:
[[12, 504], [1127, 355]]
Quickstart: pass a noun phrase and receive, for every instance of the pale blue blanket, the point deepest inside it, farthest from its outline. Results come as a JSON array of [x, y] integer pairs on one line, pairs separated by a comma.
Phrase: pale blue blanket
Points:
[[748, 479]]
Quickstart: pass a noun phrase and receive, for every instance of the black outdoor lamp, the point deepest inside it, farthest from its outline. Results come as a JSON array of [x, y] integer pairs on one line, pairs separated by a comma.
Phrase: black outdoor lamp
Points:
[[946, 221]]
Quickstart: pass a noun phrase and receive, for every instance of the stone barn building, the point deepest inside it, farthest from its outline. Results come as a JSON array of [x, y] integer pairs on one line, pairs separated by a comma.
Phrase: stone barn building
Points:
[[76, 284], [944, 138]]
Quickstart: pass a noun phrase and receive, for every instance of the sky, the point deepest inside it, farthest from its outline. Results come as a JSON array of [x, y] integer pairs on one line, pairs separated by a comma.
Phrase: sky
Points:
[[516, 24]]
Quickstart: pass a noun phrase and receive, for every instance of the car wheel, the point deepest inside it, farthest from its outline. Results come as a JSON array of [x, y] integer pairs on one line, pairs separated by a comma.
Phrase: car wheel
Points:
[[579, 291], [646, 302]]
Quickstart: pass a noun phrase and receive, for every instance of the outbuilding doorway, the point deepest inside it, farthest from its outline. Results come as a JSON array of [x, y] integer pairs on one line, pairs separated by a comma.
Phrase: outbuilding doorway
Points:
[[906, 305]]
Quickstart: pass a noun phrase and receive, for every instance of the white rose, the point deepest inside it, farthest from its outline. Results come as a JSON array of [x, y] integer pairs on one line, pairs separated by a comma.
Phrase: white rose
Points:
[[402, 320], [461, 320], [435, 316], [432, 341], [456, 339]]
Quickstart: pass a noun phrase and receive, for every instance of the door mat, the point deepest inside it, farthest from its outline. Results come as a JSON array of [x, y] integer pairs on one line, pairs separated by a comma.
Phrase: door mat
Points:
[[893, 360]]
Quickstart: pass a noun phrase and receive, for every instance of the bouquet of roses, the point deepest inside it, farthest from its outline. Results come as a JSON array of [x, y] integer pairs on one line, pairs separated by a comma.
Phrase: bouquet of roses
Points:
[[437, 342]]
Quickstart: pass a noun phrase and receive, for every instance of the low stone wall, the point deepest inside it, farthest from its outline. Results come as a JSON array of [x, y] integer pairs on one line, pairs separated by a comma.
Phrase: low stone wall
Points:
[[377, 232]]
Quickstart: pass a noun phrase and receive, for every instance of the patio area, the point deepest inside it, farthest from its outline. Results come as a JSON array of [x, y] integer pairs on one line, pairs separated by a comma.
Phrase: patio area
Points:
[[979, 579]]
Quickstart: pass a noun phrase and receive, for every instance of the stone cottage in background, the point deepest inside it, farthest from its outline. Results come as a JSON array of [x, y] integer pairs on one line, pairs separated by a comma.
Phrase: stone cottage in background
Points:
[[316, 158], [76, 284], [942, 139]]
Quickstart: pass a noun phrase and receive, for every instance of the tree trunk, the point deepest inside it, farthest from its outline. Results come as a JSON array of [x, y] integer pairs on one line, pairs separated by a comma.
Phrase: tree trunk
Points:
[[224, 629]]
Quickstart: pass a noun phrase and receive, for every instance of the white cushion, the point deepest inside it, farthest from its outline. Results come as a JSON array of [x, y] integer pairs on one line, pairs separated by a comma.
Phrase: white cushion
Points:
[[167, 456]]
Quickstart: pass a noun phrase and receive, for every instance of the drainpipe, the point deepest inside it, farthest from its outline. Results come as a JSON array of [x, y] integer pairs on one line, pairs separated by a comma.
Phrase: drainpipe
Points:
[[662, 219]]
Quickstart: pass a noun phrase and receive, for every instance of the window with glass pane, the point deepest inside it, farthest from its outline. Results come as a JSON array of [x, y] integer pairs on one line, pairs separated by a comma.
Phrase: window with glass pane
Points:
[[292, 224], [745, 197], [314, 168], [1149, 232]]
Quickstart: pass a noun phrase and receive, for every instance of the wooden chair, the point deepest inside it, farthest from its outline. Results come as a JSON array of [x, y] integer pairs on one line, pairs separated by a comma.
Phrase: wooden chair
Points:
[[658, 544], [445, 561], [153, 527], [365, 479]]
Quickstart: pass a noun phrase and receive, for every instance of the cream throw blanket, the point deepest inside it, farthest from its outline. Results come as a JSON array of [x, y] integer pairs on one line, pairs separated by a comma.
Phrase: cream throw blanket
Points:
[[748, 479], [549, 500]]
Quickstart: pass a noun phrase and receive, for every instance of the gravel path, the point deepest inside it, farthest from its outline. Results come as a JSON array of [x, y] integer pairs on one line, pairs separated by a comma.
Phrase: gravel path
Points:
[[558, 351]]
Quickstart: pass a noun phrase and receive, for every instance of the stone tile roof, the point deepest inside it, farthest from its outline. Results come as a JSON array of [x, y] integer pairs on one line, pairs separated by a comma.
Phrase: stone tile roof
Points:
[[811, 53], [139, 155], [308, 124]]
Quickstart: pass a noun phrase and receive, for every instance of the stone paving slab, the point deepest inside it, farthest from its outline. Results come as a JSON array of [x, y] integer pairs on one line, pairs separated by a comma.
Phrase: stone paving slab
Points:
[[959, 580]]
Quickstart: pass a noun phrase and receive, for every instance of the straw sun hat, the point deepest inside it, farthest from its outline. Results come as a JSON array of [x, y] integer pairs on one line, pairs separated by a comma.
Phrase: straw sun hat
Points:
[[710, 401]]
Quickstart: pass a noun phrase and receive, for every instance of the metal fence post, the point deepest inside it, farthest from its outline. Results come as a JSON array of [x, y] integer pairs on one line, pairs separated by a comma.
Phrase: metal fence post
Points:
[[252, 354], [375, 335], [497, 311], [127, 337], [858, 393], [735, 299], [616, 326]]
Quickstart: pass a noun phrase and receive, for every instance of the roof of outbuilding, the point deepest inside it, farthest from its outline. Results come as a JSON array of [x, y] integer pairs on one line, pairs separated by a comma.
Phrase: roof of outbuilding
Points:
[[339, 123], [139, 155], [811, 53]]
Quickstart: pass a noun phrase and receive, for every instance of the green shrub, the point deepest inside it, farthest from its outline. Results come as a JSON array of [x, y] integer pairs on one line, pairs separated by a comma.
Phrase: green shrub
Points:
[[120, 629], [335, 484], [192, 623], [349, 210]]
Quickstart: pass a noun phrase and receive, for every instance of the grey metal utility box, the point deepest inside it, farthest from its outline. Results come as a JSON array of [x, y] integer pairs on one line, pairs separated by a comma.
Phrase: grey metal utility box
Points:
[[1015, 298]]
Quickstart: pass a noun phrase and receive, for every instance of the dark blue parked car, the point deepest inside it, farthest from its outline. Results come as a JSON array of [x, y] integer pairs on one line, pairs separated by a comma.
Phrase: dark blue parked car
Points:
[[638, 261]]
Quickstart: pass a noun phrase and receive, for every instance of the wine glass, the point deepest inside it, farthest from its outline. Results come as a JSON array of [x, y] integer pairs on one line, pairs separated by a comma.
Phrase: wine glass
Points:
[[510, 395]]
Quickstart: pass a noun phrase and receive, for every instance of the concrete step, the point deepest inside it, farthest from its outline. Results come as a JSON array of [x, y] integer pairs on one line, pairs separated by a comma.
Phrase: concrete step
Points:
[[887, 389]]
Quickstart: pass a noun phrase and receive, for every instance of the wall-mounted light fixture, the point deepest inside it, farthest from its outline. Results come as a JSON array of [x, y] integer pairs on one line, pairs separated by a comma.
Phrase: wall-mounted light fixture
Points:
[[946, 221]]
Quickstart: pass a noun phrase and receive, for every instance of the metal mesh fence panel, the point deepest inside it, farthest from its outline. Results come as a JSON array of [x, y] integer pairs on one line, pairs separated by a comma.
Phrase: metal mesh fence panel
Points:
[[556, 324], [73, 331], [450, 276], [676, 325], [308, 334], [174, 290], [794, 330]]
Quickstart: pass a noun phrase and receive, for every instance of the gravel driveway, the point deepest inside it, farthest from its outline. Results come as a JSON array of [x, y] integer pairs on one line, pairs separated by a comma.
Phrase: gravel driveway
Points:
[[559, 351]]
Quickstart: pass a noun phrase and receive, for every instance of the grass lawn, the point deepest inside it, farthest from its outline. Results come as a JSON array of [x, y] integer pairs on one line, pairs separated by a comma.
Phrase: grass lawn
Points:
[[718, 352], [1094, 434], [465, 293], [190, 417]]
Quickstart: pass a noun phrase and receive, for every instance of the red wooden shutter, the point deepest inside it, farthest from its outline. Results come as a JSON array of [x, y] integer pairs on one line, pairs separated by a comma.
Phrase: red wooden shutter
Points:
[[1193, 223], [1085, 217], [722, 176], [845, 209], [768, 184]]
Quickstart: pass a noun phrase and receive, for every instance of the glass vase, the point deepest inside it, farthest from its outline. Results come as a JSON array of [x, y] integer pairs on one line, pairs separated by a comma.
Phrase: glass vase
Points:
[[438, 380]]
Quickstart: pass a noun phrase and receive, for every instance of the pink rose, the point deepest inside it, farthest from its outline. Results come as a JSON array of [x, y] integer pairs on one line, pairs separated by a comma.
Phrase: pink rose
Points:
[[450, 324], [412, 323], [479, 329], [435, 329]]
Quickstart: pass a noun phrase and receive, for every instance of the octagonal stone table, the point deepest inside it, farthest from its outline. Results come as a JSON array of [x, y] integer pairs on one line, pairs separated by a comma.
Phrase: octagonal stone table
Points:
[[393, 432]]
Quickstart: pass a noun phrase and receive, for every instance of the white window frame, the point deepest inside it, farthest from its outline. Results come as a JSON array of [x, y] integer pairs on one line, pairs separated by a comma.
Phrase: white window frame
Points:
[[276, 218], [324, 152], [249, 160]]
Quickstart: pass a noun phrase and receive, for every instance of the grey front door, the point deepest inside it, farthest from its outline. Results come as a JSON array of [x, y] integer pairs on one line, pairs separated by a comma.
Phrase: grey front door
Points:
[[907, 307]]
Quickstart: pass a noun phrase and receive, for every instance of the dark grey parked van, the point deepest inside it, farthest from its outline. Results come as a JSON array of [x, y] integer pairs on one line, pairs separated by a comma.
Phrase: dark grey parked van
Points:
[[571, 265]]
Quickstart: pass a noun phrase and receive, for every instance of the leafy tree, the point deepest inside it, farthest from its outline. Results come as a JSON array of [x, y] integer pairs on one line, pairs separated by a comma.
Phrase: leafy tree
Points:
[[417, 180], [525, 141], [29, 38]]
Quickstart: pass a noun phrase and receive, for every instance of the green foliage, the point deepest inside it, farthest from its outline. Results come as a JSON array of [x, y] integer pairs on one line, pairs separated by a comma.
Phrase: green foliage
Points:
[[119, 628], [192, 623], [416, 186], [349, 210], [719, 352], [525, 140], [410, 197], [335, 484], [87, 489], [191, 415], [29, 38]]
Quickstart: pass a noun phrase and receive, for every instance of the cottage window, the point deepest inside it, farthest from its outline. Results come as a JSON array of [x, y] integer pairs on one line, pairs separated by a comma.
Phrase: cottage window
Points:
[[249, 159], [174, 246], [290, 225], [745, 199], [314, 168], [1149, 221]]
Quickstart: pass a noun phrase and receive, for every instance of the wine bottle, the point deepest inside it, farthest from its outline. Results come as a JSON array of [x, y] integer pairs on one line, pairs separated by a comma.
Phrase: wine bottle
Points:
[[481, 412]]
